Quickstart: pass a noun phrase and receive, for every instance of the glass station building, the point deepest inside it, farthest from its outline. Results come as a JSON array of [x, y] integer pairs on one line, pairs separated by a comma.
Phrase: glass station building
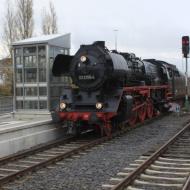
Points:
[[34, 86]]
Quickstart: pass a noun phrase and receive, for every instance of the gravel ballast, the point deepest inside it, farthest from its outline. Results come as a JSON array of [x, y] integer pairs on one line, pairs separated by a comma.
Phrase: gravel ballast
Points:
[[91, 170]]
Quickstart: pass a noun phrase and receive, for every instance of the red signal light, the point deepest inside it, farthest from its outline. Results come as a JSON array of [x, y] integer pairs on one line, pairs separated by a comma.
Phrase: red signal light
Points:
[[185, 40], [185, 45]]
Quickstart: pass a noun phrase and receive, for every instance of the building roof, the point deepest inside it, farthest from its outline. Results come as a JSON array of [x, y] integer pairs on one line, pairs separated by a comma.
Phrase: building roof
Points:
[[53, 39]]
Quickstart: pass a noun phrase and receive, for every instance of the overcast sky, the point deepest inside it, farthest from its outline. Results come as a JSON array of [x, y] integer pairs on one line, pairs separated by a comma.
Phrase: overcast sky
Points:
[[149, 28]]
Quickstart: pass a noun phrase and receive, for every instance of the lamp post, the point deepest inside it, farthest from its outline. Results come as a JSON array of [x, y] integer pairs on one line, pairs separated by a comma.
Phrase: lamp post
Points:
[[186, 85], [115, 35]]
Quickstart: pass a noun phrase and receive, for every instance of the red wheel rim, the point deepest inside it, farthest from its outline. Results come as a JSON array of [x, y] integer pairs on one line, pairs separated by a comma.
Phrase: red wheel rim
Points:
[[149, 110], [133, 119], [142, 113]]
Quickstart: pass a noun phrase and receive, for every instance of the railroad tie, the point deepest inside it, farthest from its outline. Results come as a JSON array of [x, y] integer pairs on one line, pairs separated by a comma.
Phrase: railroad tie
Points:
[[139, 182]]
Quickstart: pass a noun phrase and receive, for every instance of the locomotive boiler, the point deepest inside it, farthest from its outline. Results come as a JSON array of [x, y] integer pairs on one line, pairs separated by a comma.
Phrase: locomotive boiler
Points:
[[112, 88]]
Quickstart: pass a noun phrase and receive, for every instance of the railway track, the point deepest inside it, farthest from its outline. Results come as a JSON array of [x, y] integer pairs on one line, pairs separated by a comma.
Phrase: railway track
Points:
[[167, 168], [27, 161], [19, 164]]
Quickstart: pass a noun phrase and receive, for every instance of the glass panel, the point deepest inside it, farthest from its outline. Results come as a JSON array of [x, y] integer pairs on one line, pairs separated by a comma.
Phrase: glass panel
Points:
[[29, 50], [34, 60], [30, 61], [19, 104], [43, 105], [42, 61], [58, 50], [30, 75], [51, 51], [18, 51], [30, 91], [30, 105], [18, 62], [19, 75], [42, 91], [19, 91], [42, 75], [26, 60], [41, 49], [51, 60]]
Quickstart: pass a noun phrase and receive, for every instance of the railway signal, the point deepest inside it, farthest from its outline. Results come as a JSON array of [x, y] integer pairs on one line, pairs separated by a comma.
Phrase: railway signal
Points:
[[185, 46], [185, 51]]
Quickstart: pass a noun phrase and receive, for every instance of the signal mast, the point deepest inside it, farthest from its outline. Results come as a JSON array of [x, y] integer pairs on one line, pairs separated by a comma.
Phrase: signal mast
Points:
[[185, 51]]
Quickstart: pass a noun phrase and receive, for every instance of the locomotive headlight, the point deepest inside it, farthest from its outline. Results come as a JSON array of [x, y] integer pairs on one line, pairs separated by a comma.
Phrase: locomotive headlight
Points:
[[63, 105], [99, 105], [83, 58]]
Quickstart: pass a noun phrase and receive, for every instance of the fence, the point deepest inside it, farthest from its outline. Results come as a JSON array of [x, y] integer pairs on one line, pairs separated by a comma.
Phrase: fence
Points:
[[6, 104]]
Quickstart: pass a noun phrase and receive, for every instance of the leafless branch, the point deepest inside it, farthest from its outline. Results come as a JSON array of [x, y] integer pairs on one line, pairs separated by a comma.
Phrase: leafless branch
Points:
[[24, 18], [10, 30], [49, 20]]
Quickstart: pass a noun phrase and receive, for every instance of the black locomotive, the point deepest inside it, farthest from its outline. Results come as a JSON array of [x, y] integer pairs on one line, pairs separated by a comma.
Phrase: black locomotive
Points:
[[110, 86]]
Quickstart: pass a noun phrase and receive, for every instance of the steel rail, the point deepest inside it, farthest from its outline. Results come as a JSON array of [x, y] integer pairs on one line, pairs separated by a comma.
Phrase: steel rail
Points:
[[187, 184], [129, 179], [44, 147], [52, 160], [34, 150]]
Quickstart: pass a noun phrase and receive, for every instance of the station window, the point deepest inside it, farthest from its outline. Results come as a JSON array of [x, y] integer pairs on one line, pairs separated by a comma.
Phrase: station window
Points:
[[29, 50], [31, 75], [43, 104], [42, 75], [18, 60], [51, 60], [42, 91], [30, 61], [42, 61], [41, 49], [26, 60], [19, 91], [18, 51], [19, 75], [30, 104], [19, 104], [51, 51], [30, 91], [58, 50]]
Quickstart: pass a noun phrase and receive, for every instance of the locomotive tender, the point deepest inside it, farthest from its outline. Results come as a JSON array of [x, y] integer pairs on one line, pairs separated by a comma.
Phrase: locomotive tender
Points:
[[110, 88]]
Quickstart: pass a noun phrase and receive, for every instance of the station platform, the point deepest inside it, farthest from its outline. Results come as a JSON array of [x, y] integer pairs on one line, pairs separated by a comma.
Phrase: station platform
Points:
[[17, 135]]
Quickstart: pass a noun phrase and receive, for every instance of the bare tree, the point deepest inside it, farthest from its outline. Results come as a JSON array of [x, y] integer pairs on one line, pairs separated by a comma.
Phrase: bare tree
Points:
[[24, 18], [10, 30], [49, 20]]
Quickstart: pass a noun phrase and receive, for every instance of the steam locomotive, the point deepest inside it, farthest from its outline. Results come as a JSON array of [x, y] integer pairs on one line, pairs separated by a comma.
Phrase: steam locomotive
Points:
[[112, 88]]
